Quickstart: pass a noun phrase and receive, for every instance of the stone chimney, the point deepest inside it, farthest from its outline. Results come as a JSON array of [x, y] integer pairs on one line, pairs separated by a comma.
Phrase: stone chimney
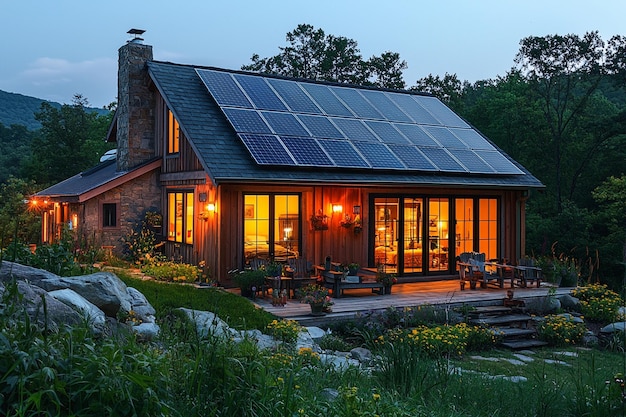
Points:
[[135, 104]]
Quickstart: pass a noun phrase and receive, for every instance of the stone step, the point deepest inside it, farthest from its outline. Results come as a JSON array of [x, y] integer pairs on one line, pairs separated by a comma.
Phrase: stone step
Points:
[[489, 311], [523, 344], [509, 333], [503, 319]]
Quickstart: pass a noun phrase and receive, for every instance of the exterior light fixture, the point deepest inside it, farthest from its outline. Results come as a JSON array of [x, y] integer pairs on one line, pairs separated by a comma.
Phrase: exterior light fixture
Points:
[[210, 207], [337, 208]]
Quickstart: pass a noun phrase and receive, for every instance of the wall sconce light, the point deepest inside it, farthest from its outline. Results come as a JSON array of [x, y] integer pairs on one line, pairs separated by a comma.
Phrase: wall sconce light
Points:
[[210, 207], [337, 208]]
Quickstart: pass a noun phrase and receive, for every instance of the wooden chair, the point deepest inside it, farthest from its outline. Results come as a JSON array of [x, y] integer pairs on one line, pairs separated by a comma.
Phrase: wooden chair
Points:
[[527, 272], [259, 263], [301, 271]]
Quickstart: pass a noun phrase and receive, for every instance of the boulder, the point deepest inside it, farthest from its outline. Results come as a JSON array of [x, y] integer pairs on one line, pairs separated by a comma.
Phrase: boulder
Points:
[[43, 309], [208, 324], [570, 303], [140, 305], [94, 316], [104, 289], [542, 305]]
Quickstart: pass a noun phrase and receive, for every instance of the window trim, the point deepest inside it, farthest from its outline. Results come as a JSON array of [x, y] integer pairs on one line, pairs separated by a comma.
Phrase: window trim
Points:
[[102, 213]]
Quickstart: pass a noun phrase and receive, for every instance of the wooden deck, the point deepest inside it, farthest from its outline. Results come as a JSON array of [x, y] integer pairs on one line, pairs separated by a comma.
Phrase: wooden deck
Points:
[[403, 295]]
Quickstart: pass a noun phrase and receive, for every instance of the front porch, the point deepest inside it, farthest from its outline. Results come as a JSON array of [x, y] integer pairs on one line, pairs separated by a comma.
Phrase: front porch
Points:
[[445, 292]]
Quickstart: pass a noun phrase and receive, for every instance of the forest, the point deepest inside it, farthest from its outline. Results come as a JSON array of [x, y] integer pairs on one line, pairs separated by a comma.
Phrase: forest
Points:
[[560, 111]]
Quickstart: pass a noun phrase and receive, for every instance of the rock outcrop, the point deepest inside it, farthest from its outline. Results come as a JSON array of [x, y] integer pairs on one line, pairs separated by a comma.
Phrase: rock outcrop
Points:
[[98, 299]]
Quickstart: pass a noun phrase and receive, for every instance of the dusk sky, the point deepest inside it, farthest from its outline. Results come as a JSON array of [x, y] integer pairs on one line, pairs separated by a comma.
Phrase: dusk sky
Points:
[[55, 49]]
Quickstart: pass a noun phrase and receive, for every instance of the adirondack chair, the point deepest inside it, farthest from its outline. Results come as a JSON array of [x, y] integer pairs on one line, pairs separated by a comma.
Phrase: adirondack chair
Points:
[[475, 269], [527, 272], [301, 272]]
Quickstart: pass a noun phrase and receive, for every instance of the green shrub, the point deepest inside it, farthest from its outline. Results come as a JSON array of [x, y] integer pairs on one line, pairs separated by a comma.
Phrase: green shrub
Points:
[[560, 330], [171, 271], [598, 302], [335, 343], [286, 331]]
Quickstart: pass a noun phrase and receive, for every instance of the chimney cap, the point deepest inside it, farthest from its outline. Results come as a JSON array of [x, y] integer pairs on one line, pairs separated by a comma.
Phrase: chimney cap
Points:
[[136, 32], [137, 35]]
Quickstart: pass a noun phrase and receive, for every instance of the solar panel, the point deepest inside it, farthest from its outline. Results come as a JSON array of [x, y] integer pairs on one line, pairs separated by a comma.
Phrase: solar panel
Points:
[[442, 160], [357, 103], [260, 92], [499, 162], [446, 116], [471, 161], [248, 121], [326, 100], [472, 139], [416, 134], [284, 123], [298, 123], [413, 109], [343, 153], [385, 106], [411, 156], [223, 88], [266, 149], [320, 127], [291, 93], [386, 132], [354, 129], [378, 155], [306, 151], [445, 137]]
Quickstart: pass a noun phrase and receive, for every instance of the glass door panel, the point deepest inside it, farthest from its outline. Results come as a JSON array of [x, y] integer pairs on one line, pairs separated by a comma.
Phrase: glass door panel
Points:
[[386, 233], [464, 228], [413, 235], [488, 227], [438, 233], [286, 227]]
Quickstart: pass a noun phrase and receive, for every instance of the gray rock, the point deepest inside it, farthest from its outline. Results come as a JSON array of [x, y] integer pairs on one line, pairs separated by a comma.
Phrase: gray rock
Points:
[[43, 309], [103, 289], [542, 305], [146, 331], [361, 354], [329, 394], [315, 332], [92, 314], [208, 324], [570, 303], [140, 305], [573, 319], [619, 326]]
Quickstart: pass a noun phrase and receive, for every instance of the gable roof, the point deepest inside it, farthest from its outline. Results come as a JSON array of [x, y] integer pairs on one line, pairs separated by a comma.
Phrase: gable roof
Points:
[[223, 148], [99, 179]]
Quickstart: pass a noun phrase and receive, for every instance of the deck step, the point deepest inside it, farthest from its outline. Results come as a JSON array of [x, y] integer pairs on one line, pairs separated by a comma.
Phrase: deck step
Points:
[[523, 344], [509, 333], [504, 319]]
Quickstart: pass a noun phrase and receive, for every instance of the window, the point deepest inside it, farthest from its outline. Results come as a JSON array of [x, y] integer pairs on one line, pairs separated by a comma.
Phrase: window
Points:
[[271, 226], [109, 215], [173, 133], [180, 217]]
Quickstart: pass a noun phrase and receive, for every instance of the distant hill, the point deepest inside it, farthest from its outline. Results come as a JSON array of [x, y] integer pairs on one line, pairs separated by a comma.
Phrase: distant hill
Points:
[[17, 109]]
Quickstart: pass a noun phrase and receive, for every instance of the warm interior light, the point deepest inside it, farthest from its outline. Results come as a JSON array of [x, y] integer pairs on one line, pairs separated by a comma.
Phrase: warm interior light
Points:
[[74, 220], [337, 208], [210, 207]]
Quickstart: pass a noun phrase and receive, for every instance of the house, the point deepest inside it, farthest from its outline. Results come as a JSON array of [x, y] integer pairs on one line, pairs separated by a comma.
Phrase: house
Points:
[[244, 165]]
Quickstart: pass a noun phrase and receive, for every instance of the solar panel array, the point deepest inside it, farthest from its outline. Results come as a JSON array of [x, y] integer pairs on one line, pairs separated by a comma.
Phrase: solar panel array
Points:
[[296, 123]]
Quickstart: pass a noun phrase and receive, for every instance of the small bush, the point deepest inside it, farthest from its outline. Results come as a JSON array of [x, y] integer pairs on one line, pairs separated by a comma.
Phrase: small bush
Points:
[[334, 343], [560, 330], [171, 271], [286, 331], [598, 302]]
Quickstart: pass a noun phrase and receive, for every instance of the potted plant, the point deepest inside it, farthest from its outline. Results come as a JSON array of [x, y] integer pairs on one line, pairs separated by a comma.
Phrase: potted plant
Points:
[[316, 296], [273, 269], [249, 281], [353, 268], [386, 278], [319, 221]]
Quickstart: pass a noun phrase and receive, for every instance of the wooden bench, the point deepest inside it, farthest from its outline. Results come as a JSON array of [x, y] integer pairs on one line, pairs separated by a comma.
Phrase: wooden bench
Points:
[[333, 280]]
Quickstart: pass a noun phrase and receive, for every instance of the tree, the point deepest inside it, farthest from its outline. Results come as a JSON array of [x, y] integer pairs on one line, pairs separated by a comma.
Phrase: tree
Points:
[[312, 54], [70, 140], [448, 89], [564, 72]]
